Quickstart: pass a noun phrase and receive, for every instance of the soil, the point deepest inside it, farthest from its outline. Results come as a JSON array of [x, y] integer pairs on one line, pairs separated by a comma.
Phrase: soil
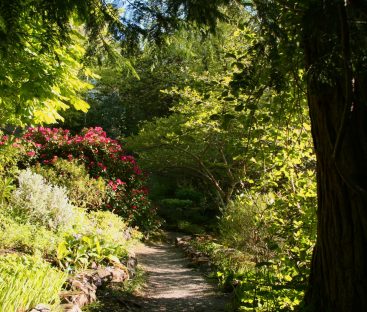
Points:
[[171, 285]]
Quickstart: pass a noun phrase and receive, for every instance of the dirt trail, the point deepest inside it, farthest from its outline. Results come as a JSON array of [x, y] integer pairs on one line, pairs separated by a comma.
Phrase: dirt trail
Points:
[[172, 286]]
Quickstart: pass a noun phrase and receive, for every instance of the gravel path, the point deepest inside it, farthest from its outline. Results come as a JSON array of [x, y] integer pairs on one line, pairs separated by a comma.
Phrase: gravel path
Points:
[[172, 286]]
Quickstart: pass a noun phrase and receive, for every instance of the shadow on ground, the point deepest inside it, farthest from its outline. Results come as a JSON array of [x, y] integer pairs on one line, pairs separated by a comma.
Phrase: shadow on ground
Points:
[[172, 286]]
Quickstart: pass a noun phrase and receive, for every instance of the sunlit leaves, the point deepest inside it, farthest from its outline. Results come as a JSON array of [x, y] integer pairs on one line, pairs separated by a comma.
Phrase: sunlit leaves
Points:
[[41, 50], [36, 86]]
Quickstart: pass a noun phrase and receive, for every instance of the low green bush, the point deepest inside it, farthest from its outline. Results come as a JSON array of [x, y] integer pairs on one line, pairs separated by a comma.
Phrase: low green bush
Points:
[[278, 240], [189, 193], [28, 238], [83, 191], [262, 286], [112, 228], [190, 228], [239, 227], [76, 252], [6, 188], [97, 237], [175, 203], [26, 281], [9, 156], [103, 158], [94, 168], [184, 215]]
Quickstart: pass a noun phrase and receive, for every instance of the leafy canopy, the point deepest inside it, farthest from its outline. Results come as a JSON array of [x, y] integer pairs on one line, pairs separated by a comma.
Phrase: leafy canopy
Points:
[[41, 51]]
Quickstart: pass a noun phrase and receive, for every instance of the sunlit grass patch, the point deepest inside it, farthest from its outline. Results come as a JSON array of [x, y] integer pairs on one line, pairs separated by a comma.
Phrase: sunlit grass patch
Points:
[[26, 281]]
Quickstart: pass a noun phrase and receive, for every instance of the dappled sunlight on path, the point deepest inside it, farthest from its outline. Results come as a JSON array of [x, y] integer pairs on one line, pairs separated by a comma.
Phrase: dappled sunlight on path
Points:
[[172, 286]]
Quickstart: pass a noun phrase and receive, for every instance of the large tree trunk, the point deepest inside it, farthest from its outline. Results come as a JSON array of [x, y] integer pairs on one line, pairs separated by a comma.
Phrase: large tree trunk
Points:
[[338, 111]]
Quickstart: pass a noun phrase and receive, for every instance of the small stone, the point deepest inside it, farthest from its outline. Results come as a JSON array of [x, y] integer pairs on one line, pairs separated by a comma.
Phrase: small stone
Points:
[[180, 241], [118, 275], [105, 275], [85, 299], [41, 308], [94, 265], [70, 308], [131, 265], [202, 260]]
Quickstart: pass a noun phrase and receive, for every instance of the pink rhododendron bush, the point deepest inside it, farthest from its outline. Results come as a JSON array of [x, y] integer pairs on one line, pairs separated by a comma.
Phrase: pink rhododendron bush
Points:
[[104, 158]]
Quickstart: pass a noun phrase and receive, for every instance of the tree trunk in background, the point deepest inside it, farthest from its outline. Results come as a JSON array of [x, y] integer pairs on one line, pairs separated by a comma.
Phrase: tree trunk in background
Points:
[[338, 111]]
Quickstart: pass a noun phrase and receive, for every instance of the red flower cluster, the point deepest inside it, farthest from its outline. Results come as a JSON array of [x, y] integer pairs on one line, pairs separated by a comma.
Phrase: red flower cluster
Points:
[[114, 185], [102, 156], [3, 139]]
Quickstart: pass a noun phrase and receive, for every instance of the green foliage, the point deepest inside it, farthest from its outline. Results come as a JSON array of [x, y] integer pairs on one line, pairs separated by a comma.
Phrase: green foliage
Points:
[[26, 281], [242, 132], [81, 251], [237, 224], [265, 286], [190, 228], [6, 187], [112, 228], [40, 203], [274, 221], [214, 130], [224, 113], [121, 100], [102, 157], [157, 18], [96, 237], [41, 51], [28, 238], [99, 237], [9, 156], [189, 193], [173, 209], [184, 214], [175, 203], [39, 86], [82, 190]]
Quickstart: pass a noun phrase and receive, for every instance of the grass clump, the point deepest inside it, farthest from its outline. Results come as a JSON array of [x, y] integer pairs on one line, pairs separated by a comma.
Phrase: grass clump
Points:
[[26, 281]]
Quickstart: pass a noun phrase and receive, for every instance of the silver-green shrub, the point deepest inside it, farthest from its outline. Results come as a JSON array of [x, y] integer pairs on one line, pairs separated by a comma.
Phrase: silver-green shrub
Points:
[[39, 202]]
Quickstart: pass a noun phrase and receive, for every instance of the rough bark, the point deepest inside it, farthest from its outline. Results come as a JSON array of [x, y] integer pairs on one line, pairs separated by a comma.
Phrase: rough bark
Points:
[[338, 111]]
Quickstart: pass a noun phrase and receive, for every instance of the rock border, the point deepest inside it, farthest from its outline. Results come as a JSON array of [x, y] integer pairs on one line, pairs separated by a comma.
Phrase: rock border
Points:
[[196, 258], [82, 287]]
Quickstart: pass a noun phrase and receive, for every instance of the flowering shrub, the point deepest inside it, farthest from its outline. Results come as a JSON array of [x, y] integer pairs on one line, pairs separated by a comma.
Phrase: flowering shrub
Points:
[[103, 157]]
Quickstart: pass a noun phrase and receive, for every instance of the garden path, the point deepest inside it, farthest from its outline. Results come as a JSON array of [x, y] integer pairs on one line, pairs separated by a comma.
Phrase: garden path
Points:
[[172, 286]]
